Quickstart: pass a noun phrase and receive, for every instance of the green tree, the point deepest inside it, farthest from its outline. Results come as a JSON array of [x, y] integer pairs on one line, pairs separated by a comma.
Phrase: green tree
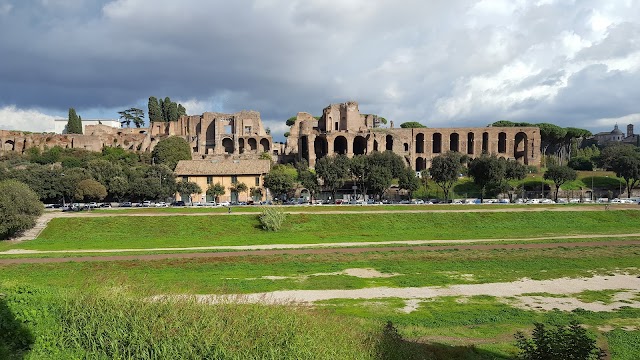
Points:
[[359, 168], [215, 191], [171, 150], [118, 187], [70, 180], [173, 114], [103, 170], [334, 171], [445, 170], [280, 180], [559, 175], [411, 124], [291, 120], [155, 110], [486, 170], [166, 109], [378, 180], [624, 159], [581, 163], [408, 181], [74, 124], [19, 208], [308, 179], [187, 188], [132, 115], [89, 189], [241, 188], [181, 110], [561, 342], [256, 193]]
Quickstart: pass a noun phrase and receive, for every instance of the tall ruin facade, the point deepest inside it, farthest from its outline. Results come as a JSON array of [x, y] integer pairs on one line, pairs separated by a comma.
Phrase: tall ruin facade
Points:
[[215, 134], [343, 130], [210, 135]]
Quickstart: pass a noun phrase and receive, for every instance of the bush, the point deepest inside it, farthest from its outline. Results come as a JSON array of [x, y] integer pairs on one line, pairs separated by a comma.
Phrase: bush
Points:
[[562, 342], [271, 219], [19, 208]]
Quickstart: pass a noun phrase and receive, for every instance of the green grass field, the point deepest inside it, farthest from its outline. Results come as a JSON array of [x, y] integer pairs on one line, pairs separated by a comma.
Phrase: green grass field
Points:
[[101, 309], [192, 231]]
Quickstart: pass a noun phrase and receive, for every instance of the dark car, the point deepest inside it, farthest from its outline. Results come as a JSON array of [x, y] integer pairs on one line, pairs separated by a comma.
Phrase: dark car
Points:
[[178, 203]]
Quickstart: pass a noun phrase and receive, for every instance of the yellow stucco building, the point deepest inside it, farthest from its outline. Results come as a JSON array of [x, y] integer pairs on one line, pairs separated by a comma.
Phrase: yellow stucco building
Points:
[[229, 174]]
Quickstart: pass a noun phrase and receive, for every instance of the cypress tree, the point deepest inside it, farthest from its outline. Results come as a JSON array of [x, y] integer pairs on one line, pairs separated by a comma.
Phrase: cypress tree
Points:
[[181, 110], [166, 105], [155, 111], [74, 124], [173, 111]]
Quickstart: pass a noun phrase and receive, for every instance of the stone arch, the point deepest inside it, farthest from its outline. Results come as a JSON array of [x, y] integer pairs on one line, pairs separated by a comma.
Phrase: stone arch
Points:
[[420, 143], [437, 143], [8, 145], [359, 145], [421, 163], [210, 138], [303, 146], [227, 144], [406, 146], [253, 144], [264, 144], [454, 142], [502, 142], [241, 145], [321, 147], [389, 141], [485, 142], [520, 146], [340, 145], [470, 143]]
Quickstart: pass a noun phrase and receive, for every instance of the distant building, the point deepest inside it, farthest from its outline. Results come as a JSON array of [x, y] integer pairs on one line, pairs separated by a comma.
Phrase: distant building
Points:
[[61, 124], [616, 135], [226, 172]]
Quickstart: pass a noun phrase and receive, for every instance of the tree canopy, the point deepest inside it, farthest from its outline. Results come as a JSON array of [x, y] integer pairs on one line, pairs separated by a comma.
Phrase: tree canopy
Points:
[[280, 180], [171, 150], [411, 124], [445, 170], [19, 208], [334, 171], [624, 159], [74, 124], [132, 115], [559, 175]]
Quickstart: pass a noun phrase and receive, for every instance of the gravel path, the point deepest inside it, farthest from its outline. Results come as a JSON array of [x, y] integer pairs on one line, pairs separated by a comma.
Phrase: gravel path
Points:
[[562, 286], [353, 250]]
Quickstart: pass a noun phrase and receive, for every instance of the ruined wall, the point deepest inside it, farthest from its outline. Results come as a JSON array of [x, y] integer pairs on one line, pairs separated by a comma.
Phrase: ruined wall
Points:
[[343, 130], [239, 135]]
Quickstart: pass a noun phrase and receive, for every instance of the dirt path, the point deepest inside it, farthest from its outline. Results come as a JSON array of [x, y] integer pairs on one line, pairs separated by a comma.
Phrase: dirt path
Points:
[[317, 245], [628, 284], [354, 250]]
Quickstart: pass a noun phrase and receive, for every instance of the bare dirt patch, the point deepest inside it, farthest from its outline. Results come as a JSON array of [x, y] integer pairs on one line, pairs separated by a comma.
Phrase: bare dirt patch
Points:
[[514, 289], [367, 273]]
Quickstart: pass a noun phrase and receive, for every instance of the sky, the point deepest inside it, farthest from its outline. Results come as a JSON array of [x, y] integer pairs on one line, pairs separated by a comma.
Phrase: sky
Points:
[[452, 63]]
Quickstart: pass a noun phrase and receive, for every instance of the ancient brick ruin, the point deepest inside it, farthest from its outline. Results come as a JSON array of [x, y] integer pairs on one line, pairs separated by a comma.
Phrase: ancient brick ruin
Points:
[[343, 130], [340, 130]]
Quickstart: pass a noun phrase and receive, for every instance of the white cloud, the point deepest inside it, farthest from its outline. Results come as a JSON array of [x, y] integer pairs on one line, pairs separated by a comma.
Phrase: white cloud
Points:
[[5, 8], [12, 118]]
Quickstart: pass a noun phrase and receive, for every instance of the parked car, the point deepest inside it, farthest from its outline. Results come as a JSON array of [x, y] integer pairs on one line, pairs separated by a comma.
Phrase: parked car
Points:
[[178, 203], [147, 203], [105, 205], [126, 204], [161, 204], [92, 205]]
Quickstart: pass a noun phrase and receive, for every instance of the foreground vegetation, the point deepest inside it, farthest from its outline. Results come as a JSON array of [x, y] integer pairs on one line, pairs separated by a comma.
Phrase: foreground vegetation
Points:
[[252, 274], [189, 231]]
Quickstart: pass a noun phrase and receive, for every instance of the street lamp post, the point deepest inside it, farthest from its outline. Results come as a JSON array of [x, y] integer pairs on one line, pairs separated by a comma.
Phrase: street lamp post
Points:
[[592, 194]]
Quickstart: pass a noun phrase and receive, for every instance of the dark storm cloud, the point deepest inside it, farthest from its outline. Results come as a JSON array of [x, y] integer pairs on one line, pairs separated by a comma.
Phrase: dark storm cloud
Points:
[[442, 63]]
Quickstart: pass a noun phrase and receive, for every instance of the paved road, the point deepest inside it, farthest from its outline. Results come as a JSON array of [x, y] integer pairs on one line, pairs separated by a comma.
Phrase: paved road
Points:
[[316, 251]]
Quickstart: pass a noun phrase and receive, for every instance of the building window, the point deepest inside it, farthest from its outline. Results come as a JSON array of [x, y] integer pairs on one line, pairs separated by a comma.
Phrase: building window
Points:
[[209, 180], [234, 179], [185, 178], [257, 180]]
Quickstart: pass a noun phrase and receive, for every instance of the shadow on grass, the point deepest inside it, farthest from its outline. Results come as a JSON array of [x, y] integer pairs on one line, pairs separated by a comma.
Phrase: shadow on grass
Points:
[[15, 339], [392, 346]]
